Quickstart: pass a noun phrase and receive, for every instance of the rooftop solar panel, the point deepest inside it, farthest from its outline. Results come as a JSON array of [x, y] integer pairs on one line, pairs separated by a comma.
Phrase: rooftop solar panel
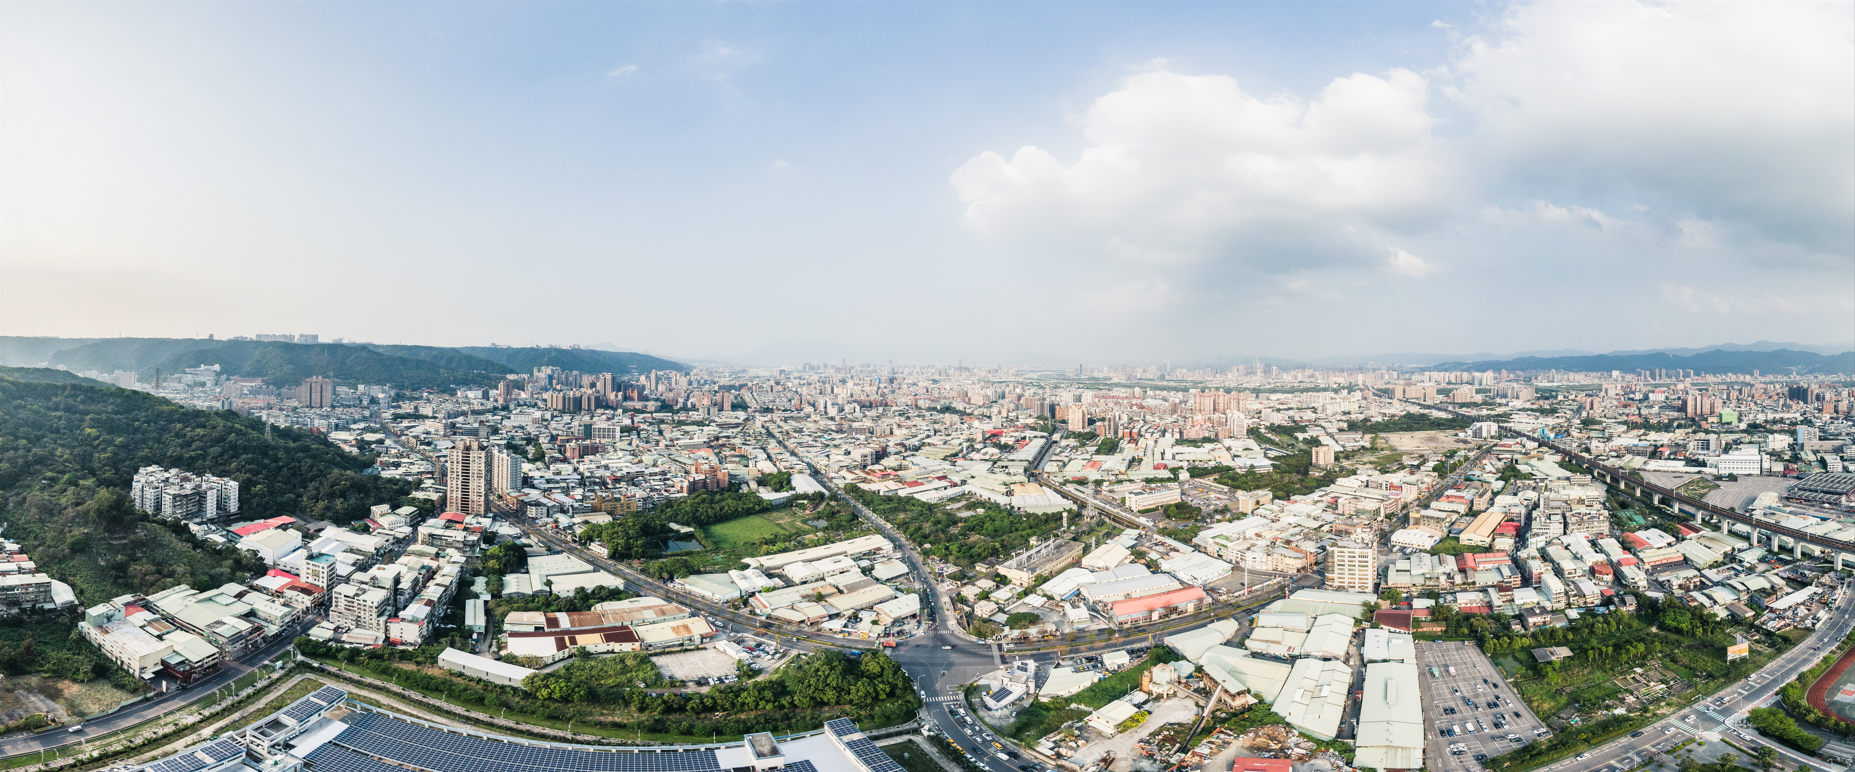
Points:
[[334, 758], [222, 749], [330, 695], [441, 751], [302, 709]]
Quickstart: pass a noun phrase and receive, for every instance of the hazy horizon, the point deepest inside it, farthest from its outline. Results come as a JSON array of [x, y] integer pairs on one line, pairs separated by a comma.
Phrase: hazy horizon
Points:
[[934, 182]]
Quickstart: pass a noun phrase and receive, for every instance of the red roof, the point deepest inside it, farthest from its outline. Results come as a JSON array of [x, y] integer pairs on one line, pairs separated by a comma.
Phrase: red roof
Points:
[[1162, 600], [1395, 620], [1687, 530], [282, 573], [1636, 542], [1247, 764], [455, 517], [262, 525]]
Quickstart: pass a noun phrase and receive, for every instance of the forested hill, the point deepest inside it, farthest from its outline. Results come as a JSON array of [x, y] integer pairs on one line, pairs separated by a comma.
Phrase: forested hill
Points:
[[46, 375], [68, 453], [1780, 362], [287, 364], [76, 432], [585, 360]]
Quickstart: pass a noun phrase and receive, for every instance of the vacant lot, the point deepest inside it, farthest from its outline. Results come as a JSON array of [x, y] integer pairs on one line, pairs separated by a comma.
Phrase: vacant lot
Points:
[[742, 532], [1428, 442], [691, 665], [58, 699]]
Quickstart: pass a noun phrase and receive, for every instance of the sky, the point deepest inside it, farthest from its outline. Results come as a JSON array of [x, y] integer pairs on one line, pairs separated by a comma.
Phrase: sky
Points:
[[998, 182]]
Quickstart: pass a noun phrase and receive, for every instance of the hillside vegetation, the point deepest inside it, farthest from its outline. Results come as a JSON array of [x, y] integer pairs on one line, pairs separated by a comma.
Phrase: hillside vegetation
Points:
[[583, 360], [287, 364], [46, 375], [69, 452]]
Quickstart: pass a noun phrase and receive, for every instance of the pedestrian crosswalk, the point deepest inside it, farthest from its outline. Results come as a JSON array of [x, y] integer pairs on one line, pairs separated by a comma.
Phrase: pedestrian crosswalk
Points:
[[953, 698]]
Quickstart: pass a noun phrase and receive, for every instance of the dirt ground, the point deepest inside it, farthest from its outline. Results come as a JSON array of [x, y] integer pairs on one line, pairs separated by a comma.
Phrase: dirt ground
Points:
[[691, 665], [1427, 442], [1736, 494], [1171, 711], [58, 699]]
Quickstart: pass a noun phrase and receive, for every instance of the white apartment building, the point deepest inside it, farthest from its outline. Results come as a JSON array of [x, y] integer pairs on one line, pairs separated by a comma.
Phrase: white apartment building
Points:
[[1351, 566], [174, 493], [361, 608], [505, 471]]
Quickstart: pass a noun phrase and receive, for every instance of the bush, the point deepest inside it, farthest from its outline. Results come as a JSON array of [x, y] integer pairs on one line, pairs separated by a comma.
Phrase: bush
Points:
[[1777, 725]]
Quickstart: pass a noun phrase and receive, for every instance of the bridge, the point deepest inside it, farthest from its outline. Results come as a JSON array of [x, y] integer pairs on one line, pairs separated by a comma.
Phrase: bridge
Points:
[[1681, 504]]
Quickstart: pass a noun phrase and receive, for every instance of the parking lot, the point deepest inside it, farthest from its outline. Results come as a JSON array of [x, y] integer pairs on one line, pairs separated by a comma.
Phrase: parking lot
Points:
[[1474, 709]]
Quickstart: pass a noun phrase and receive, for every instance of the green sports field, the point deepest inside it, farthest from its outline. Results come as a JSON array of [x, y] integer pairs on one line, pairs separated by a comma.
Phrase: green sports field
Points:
[[741, 532]]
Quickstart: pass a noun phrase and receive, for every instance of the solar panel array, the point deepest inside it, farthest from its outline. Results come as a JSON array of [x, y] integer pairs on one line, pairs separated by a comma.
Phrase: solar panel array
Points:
[[302, 709], [441, 751], [871, 757], [334, 758], [188, 761]]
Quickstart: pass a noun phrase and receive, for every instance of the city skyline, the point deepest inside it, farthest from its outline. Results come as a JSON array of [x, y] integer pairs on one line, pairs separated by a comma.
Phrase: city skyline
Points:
[[780, 182]]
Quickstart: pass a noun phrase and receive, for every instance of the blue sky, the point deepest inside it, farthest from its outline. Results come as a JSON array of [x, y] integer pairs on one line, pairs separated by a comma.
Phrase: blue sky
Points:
[[1023, 182]]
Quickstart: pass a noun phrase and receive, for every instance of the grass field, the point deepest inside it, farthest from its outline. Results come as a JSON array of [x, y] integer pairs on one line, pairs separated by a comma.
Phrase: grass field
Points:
[[302, 689], [741, 532], [912, 757]]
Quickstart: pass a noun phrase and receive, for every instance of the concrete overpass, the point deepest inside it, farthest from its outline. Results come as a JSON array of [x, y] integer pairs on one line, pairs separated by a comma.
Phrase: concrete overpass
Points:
[[1683, 504]]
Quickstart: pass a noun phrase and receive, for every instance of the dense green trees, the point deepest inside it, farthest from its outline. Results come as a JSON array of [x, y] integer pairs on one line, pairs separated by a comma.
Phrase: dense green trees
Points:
[[503, 559], [779, 482], [1292, 476], [1775, 724], [641, 535], [963, 541], [1022, 620], [70, 432], [68, 454], [821, 679], [1413, 422]]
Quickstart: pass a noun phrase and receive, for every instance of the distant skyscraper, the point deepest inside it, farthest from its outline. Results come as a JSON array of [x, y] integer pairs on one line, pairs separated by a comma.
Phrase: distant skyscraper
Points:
[[465, 476], [317, 391]]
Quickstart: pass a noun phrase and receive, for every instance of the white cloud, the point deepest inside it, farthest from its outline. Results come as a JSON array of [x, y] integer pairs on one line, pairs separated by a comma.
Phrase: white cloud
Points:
[[777, 164], [719, 53], [1406, 264], [1626, 138], [1194, 168], [624, 73], [1736, 112]]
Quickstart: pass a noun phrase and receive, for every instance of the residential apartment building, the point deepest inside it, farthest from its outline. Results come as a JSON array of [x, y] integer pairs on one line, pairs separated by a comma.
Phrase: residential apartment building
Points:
[[505, 472], [1351, 566], [174, 493], [360, 607], [316, 391], [466, 477]]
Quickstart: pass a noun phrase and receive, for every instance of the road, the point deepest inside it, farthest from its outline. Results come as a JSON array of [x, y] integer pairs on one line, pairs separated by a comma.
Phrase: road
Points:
[[1719, 712], [563, 543], [144, 711]]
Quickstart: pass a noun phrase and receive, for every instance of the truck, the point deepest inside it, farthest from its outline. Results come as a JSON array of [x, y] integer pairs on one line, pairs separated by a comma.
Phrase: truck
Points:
[[1452, 670], [888, 644]]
